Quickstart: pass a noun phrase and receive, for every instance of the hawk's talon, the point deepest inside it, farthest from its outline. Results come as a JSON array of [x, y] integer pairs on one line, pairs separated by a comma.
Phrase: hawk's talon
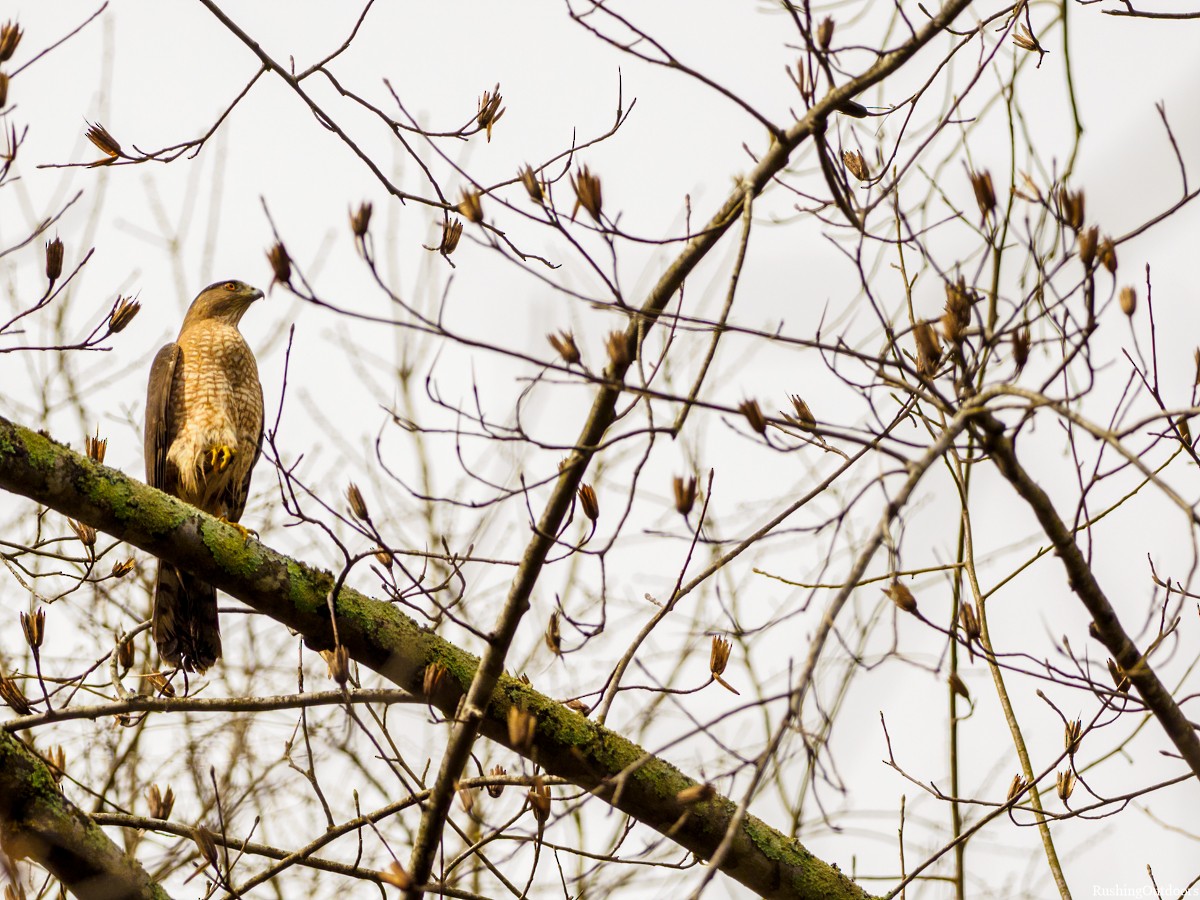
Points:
[[220, 457], [246, 533]]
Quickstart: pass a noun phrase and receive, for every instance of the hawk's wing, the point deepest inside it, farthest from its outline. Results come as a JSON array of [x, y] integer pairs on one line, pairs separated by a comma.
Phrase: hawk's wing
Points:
[[159, 427]]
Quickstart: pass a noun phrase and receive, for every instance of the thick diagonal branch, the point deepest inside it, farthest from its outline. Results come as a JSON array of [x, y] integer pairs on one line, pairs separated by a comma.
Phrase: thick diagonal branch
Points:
[[37, 822], [1083, 582], [379, 636]]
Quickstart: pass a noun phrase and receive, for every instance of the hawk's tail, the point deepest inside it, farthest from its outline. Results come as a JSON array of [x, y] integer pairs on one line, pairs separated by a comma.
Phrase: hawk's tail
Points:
[[185, 619]]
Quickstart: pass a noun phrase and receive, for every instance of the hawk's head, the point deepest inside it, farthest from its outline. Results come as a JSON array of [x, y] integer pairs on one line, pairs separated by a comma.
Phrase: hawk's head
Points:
[[226, 301]]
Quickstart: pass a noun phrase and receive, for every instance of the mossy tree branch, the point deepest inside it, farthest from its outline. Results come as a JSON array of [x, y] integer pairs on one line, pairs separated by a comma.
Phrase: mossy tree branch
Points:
[[379, 636], [39, 823]]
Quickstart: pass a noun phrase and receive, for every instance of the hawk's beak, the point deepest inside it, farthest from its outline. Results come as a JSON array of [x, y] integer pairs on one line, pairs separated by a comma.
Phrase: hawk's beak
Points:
[[253, 294]]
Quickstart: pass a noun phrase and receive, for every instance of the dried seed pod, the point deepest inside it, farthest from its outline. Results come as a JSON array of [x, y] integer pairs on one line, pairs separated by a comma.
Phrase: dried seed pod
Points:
[[617, 346], [754, 416], [12, 695], [56, 759], [10, 36], [685, 494], [985, 194], [564, 343], [856, 165], [522, 725], [1071, 206], [1072, 735], [159, 684], [489, 112], [1024, 39], [929, 349], [1065, 784], [1020, 345], [466, 796], [533, 187], [588, 193], [1106, 252], [122, 314], [695, 793], [86, 534], [451, 232], [384, 557], [434, 672], [899, 594], [970, 622], [103, 141], [471, 206], [958, 686], [360, 220], [54, 256], [1120, 679], [825, 32], [495, 790], [553, 634], [125, 654], [1088, 240], [539, 799], [587, 499], [1128, 300], [718, 659], [205, 843], [358, 506], [338, 661], [160, 802], [396, 876], [1015, 787], [281, 264], [34, 626], [803, 417], [577, 705], [1181, 427], [95, 447], [123, 568]]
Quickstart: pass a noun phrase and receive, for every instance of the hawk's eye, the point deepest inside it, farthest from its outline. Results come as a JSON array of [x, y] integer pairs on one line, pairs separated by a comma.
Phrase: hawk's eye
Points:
[[231, 285]]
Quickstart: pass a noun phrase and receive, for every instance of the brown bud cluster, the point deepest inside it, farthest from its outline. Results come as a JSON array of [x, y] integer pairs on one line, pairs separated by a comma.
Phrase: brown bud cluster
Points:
[[471, 205], [1128, 300], [899, 594], [1072, 735], [957, 315], [206, 844], [587, 499], [685, 494], [103, 141], [1065, 784], [3, 89], [360, 220], [564, 343], [86, 534], [985, 194], [718, 659], [1106, 252], [970, 622], [434, 673], [338, 661], [587, 193], [125, 654], [489, 110], [281, 264], [123, 567], [160, 802], [695, 793], [95, 447], [1024, 39], [10, 36], [929, 349], [618, 349], [803, 416], [754, 415], [54, 257], [34, 626], [495, 790], [553, 634], [466, 796], [1015, 787], [1120, 679], [122, 314], [522, 725], [451, 232], [539, 799], [1088, 241], [12, 695], [856, 165], [533, 187], [958, 686], [358, 506], [1020, 345], [56, 759], [825, 32], [1071, 208], [396, 876]]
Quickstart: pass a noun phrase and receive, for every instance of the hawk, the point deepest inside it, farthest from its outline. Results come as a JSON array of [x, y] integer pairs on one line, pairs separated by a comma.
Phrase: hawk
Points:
[[204, 424]]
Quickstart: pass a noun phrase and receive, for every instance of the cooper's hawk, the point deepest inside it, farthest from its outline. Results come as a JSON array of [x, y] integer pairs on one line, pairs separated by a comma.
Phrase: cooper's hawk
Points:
[[204, 423]]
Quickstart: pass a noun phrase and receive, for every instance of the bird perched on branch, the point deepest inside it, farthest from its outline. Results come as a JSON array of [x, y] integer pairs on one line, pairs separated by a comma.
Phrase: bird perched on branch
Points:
[[204, 424]]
